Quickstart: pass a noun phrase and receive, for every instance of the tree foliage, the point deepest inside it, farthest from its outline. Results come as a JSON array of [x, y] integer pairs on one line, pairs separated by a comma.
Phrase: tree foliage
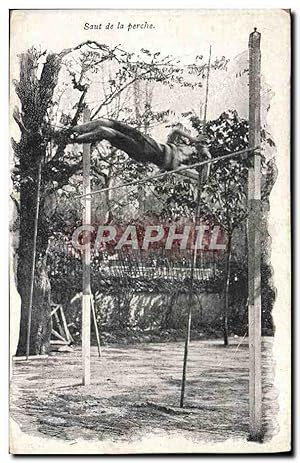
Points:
[[53, 90]]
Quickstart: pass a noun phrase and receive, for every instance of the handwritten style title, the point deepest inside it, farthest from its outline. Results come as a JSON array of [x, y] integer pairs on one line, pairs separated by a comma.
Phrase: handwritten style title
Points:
[[145, 25]]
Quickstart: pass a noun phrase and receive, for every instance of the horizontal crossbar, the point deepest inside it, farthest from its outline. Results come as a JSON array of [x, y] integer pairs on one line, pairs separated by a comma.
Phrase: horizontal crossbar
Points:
[[179, 170]]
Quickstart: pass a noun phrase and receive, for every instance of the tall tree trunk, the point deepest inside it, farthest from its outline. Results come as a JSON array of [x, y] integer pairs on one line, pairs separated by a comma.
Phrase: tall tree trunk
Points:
[[226, 291], [35, 96], [41, 309], [41, 312]]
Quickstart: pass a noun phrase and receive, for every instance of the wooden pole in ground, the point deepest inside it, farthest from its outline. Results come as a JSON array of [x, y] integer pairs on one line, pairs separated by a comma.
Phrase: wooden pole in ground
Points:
[[36, 220], [254, 243], [86, 260], [194, 259], [95, 325], [190, 301]]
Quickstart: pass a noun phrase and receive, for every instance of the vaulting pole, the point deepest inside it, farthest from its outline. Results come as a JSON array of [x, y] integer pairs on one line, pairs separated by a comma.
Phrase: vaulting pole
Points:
[[190, 299], [194, 259], [206, 90], [254, 243], [86, 261]]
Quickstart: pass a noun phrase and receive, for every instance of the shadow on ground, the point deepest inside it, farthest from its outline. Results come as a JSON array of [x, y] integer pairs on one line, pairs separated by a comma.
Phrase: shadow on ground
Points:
[[135, 390]]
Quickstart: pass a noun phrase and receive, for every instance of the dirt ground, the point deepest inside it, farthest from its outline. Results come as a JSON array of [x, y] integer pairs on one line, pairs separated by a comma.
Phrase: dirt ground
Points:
[[136, 389]]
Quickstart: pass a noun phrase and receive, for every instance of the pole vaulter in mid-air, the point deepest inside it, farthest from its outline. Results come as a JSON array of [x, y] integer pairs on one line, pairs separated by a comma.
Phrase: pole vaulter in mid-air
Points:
[[178, 150]]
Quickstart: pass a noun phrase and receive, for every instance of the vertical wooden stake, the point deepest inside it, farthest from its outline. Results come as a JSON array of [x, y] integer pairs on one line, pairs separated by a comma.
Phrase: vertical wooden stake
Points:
[[186, 350], [194, 260], [254, 243], [86, 260], [95, 325], [189, 323]]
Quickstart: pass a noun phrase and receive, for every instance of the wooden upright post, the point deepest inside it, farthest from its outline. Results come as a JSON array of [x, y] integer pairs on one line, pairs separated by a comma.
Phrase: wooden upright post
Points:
[[254, 243], [86, 260]]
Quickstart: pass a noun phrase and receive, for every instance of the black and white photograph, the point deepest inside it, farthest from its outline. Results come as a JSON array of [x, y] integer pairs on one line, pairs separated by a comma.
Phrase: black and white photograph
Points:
[[149, 222]]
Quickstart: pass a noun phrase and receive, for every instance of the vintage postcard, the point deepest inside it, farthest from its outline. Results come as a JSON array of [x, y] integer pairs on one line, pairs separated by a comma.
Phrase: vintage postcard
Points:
[[150, 300]]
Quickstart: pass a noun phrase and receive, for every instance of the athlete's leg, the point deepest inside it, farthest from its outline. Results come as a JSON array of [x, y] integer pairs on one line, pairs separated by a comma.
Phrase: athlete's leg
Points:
[[117, 139], [147, 144]]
